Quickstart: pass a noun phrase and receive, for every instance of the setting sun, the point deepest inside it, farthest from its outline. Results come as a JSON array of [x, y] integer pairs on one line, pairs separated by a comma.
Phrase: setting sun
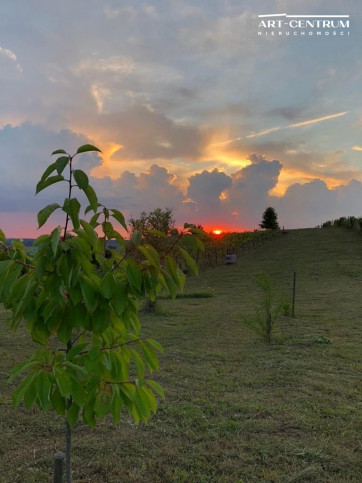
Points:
[[216, 232]]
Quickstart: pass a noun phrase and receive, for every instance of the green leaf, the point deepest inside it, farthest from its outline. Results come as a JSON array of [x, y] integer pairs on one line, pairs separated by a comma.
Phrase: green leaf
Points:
[[151, 255], [92, 197], [63, 383], [156, 387], [61, 163], [94, 220], [116, 407], [78, 393], [39, 332], [2, 236], [89, 416], [117, 215], [134, 275], [64, 331], [5, 264], [169, 284], [92, 234], [114, 365], [19, 369], [108, 230], [103, 403], [127, 390], [200, 245], [75, 350], [72, 207], [29, 397], [136, 238], [72, 414], [59, 151], [48, 171], [47, 182], [89, 291], [58, 402], [44, 214], [177, 276], [108, 286], [142, 404], [18, 394], [54, 239], [155, 344], [197, 231], [86, 148], [119, 300], [42, 388], [81, 179], [189, 260], [150, 356], [150, 398], [78, 369], [139, 364]]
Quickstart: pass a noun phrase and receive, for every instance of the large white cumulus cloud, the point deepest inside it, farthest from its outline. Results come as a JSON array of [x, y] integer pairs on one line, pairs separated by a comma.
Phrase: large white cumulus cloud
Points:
[[312, 203]]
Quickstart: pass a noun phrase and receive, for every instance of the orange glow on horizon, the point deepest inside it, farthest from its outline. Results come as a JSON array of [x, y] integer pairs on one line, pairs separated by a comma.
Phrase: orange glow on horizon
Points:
[[217, 232]]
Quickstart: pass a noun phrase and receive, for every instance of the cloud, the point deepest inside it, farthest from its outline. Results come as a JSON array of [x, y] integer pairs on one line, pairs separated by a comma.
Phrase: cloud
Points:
[[205, 189], [226, 35], [146, 134], [146, 191], [310, 204], [25, 152], [211, 197], [249, 192], [9, 65]]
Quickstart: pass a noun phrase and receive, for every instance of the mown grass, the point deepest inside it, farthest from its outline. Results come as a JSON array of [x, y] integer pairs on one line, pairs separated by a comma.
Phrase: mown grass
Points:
[[237, 409]]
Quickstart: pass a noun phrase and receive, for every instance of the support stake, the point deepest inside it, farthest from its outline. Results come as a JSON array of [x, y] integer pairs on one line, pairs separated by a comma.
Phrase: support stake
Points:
[[59, 458], [294, 284]]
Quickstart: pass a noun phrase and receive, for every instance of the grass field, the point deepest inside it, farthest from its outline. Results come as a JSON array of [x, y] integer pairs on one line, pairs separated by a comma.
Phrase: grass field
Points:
[[237, 409]]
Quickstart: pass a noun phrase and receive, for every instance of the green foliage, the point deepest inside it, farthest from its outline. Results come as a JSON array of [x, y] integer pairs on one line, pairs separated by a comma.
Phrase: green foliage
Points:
[[158, 240], [272, 304], [158, 222], [270, 219], [79, 302], [345, 222]]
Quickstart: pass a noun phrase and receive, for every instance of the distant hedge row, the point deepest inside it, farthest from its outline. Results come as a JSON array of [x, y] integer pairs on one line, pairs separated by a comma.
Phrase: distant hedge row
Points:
[[345, 222]]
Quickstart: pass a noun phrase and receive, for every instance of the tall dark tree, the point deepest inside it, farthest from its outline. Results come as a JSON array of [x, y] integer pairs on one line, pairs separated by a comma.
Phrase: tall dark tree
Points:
[[270, 219]]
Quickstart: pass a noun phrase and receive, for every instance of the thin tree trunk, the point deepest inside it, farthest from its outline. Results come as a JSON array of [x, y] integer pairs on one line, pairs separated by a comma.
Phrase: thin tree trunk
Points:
[[268, 326]]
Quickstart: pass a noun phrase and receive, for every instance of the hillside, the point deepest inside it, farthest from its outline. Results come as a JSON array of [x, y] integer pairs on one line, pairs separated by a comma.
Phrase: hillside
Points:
[[236, 408]]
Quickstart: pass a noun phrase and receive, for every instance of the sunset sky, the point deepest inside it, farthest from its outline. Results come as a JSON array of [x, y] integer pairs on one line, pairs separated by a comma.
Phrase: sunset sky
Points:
[[192, 109]]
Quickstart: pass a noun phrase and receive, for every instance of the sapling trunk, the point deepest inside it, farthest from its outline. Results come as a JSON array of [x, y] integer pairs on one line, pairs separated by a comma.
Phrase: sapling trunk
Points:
[[268, 326], [68, 437]]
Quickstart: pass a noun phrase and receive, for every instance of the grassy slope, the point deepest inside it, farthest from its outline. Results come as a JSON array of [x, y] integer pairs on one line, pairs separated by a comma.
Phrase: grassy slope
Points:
[[237, 409]]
